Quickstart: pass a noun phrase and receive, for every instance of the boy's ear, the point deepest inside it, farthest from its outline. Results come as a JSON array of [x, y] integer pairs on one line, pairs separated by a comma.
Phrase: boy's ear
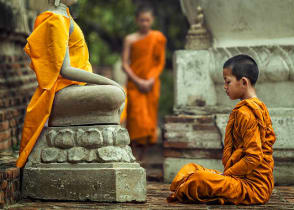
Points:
[[245, 81]]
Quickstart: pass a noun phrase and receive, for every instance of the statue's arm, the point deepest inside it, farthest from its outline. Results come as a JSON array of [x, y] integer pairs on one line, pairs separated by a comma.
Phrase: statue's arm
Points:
[[75, 74]]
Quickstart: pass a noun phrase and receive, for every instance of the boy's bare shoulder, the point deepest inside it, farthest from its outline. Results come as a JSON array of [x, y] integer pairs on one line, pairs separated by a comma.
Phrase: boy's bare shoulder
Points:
[[129, 39]]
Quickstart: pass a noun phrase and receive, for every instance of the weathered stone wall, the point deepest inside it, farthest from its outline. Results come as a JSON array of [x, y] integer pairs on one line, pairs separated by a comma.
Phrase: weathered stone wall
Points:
[[17, 80]]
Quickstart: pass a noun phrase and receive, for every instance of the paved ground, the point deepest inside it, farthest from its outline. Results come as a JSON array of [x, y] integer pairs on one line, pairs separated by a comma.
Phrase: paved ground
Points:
[[282, 198]]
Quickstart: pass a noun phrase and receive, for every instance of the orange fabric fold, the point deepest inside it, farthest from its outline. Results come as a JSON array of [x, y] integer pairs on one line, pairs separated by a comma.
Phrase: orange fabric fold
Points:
[[46, 47], [247, 159], [147, 61]]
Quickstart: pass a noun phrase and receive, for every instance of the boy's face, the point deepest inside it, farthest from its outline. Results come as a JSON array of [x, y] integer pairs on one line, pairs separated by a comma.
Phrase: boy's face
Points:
[[145, 21], [234, 88]]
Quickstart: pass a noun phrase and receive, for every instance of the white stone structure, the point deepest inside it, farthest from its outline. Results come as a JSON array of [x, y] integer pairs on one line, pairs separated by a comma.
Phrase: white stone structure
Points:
[[262, 29]]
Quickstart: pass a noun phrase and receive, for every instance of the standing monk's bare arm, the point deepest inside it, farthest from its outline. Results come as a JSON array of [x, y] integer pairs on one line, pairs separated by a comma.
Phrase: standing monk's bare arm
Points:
[[143, 85]]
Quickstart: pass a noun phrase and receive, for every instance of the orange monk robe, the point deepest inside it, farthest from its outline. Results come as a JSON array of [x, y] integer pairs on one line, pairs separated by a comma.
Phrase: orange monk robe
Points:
[[147, 61], [123, 115], [247, 159], [46, 47]]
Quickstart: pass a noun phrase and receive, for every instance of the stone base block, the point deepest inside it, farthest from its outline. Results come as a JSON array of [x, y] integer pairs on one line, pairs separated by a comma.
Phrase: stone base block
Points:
[[198, 41], [102, 182]]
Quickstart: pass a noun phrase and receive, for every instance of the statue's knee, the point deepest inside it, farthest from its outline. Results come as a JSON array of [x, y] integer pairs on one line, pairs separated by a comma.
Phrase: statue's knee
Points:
[[96, 103], [117, 94]]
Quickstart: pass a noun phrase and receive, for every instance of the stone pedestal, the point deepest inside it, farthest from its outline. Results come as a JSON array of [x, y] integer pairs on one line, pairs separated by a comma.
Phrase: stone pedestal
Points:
[[88, 162], [84, 163], [199, 90], [103, 182], [198, 41]]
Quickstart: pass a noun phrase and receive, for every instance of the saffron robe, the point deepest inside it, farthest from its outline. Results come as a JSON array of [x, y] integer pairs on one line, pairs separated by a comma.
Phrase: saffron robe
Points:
[[247, 159], [123, 115], [147, 60], [46, 47]]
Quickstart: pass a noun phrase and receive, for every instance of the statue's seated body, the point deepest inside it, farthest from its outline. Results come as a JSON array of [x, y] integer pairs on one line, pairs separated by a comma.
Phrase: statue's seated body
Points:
[[87, 105]]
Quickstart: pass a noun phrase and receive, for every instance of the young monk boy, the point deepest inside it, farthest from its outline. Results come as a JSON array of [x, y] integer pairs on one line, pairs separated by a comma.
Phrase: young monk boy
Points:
[[247, 156], [143, 61]]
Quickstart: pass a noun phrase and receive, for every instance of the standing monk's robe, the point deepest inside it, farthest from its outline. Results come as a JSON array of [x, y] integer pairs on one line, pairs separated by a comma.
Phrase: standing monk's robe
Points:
[[247, 159], [147, 59], [46, 47]]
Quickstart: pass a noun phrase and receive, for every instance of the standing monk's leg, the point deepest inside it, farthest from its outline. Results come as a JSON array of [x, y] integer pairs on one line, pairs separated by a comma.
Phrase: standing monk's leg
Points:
[[139, 146]]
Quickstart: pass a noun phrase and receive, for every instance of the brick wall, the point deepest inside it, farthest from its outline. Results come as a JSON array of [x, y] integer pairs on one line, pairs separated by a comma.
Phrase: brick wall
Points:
[[17, 84], [17, 80], [9, 184]]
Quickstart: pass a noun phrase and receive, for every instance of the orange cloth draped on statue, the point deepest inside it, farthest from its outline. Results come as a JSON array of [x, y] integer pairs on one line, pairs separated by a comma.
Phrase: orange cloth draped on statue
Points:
[[247, 159], [46, 47], [123, 115], [147, 61]]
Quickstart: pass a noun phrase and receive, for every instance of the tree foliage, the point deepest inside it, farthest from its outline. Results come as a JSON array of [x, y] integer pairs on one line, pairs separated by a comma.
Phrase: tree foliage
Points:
[[106, 22]]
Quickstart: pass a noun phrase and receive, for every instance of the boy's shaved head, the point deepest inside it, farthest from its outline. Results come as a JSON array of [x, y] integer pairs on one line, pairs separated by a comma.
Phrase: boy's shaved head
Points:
[[243, 66], [144, 8]]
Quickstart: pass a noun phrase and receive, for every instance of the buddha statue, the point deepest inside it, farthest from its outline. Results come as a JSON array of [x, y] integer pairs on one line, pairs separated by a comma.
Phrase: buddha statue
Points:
[[84, 153]]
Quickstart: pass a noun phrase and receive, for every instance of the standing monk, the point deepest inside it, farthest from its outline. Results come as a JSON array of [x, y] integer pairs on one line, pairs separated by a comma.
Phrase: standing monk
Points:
[[248, 153], [143, 61]]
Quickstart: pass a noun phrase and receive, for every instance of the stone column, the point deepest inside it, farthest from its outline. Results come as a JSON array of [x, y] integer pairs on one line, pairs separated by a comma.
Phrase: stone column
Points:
[[260, 29]]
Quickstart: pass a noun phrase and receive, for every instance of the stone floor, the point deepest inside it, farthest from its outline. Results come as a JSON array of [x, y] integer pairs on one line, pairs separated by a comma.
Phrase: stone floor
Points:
[[282, 198]]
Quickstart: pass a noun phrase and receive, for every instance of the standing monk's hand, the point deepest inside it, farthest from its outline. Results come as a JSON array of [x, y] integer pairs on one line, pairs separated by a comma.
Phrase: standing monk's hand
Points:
[[145, 86], [151, 83]]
